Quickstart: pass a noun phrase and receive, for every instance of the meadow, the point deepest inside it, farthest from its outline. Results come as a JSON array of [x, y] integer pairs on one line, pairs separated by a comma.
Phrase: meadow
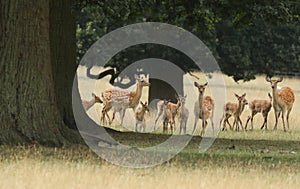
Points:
[[252, 159]]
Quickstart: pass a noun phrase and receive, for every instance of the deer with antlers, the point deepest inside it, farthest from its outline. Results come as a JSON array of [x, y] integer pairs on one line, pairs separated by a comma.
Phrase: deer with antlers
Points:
[[87, 104], [234, 109], [120, 100], [203, 108], [283, 100], [140, 116], [257, 106]]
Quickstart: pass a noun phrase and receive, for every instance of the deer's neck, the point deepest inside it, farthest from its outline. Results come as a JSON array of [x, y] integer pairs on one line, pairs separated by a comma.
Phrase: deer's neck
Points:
[[137, 95], [178, 104], [275, 94], [241, 107], [200, 99]]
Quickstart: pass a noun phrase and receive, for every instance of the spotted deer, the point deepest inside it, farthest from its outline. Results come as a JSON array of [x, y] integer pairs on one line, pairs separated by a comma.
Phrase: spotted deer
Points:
[[140, 116], [234, 109], [87, 104], [260, 106], [203, 108], [283, 100], [120, 100]]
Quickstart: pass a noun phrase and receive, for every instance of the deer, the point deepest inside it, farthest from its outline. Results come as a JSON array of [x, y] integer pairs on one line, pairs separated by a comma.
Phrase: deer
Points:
[[169, 110], [173, 108], [260, 106], [140, 116], [234, 109], [184, 115], [87, 104], [203, 108], [283, 100], [161, 111], [120, 100]]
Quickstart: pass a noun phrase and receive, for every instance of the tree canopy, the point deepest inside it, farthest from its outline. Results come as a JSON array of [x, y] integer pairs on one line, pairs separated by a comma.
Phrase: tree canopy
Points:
[[246, 37]]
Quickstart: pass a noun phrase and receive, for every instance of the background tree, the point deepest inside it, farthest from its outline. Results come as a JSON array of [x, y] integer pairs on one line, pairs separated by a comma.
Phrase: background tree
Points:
[[246, 37]]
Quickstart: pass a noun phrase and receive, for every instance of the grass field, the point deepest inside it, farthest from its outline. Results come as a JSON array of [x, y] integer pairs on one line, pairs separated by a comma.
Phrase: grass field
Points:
[[235, 160], [252, 159]]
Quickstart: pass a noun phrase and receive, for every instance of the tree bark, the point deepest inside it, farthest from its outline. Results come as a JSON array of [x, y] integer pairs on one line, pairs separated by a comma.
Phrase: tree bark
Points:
[[36, 60], [63, 55]]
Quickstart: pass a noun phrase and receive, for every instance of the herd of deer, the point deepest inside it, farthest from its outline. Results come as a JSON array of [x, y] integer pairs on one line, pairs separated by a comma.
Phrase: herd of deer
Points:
[[282, 101]]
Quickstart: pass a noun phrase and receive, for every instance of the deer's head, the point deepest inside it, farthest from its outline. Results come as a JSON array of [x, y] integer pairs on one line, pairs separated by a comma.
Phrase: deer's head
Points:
[[141, 81], [97, 99], [145, 106], [273, 81], [201, 88], [242, 99]]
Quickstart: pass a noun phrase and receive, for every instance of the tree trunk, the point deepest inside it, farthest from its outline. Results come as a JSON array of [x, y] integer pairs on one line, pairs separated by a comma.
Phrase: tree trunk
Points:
[[36, 68], [63, 56]]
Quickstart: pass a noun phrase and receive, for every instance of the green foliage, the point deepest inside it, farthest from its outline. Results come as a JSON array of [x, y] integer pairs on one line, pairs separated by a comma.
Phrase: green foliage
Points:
[[246, 37]]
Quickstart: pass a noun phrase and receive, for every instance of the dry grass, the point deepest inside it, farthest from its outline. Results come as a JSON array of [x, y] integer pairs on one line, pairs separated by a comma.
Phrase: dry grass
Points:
[[28, 173]]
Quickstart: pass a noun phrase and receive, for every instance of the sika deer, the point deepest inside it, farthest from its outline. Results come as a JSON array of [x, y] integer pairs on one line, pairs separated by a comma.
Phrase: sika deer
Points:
[[87, 104], [121, 100], [283, 100], [257, 106], [140, 116], [234, 109], [204, 108]]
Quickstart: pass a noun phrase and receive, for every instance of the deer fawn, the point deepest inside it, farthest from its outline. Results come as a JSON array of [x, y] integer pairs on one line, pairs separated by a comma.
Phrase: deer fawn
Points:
[[87, 104], [121, 100], [184, 115], [263, 106], [140, 116], [234, 109], [283, 100], [172, 110], [204, 108]]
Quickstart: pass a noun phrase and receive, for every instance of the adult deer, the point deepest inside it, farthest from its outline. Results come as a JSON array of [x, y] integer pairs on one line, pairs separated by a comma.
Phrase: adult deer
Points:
[[120, 100], [283, 100], [140, 116], [257, 106], [203, 108], [87, 104], [234, 109]]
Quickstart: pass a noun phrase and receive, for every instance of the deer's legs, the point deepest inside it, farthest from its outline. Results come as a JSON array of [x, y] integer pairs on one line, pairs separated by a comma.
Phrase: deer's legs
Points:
[[282, 117], [287, 117], [248, 119], [277, 113]]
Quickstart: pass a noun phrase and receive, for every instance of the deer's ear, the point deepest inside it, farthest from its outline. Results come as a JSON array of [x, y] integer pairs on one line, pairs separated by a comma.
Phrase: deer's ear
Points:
[[196, 84], [136, 77], [236, 95], [93, 95], [244, 95], [205, 84], [280, 79], [268, 79]]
